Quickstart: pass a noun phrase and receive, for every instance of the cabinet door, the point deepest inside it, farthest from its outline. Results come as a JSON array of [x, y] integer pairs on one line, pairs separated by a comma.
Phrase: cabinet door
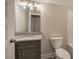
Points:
[[18, 55], [31, 54]]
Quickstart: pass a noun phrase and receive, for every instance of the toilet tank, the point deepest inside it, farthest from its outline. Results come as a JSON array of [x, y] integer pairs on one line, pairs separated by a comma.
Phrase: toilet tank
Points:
[[56, 42]]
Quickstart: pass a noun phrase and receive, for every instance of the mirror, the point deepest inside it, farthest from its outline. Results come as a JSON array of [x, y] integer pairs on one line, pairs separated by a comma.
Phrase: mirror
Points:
[[35, 23], [27, 15], [22, 19]]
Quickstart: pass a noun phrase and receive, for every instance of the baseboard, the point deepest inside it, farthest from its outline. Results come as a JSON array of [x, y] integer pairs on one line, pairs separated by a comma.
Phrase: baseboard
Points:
[[47, 55]]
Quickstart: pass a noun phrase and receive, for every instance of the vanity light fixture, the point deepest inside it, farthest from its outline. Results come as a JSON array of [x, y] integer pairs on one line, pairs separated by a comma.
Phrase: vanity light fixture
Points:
[[30, 4]]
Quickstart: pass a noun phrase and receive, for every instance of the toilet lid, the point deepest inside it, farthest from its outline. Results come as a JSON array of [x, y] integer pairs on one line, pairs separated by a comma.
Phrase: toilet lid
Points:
[[62, 54]]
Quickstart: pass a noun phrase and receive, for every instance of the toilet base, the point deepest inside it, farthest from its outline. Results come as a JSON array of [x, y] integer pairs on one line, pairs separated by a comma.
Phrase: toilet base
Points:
[[53, 58]]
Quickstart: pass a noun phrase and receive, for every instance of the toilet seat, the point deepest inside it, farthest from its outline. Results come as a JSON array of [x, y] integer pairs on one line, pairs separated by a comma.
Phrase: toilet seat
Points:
[[62, 54]]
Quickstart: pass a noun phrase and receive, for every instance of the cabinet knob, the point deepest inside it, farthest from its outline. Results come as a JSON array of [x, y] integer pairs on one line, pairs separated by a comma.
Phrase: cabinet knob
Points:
[[23, 53], [19, 53]]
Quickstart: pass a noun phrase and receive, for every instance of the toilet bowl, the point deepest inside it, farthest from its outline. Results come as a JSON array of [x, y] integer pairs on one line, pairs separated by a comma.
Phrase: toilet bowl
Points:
[[62, 54]]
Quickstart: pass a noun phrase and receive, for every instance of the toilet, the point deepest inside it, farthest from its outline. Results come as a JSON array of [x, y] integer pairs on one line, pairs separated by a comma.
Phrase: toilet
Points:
[[60, 52]]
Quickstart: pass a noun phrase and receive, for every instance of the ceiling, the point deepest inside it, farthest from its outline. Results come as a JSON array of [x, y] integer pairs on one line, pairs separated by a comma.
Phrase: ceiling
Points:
[[59, 2]]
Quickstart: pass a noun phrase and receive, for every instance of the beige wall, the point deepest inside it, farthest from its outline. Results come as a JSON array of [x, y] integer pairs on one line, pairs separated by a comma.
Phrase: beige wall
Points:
[[53, 22]]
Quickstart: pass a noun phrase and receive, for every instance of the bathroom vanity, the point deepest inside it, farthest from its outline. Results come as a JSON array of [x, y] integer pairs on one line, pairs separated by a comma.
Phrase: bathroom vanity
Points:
[[28, 49]]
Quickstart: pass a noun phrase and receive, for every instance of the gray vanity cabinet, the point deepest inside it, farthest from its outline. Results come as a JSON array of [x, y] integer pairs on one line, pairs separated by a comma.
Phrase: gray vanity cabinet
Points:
[[28, 50]]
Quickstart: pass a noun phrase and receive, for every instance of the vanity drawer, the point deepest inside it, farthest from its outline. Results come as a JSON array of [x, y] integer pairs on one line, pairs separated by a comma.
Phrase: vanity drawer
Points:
[[21, 47], [27, 44]]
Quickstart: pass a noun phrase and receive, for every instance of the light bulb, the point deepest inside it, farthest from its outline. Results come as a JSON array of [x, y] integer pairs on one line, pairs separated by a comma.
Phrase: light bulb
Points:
[[24, 7], [31, 7], [37, 5], [30, 4]]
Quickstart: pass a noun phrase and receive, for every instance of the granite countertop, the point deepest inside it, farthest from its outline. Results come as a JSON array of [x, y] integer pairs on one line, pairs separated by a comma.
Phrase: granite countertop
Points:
[[28, 37]]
